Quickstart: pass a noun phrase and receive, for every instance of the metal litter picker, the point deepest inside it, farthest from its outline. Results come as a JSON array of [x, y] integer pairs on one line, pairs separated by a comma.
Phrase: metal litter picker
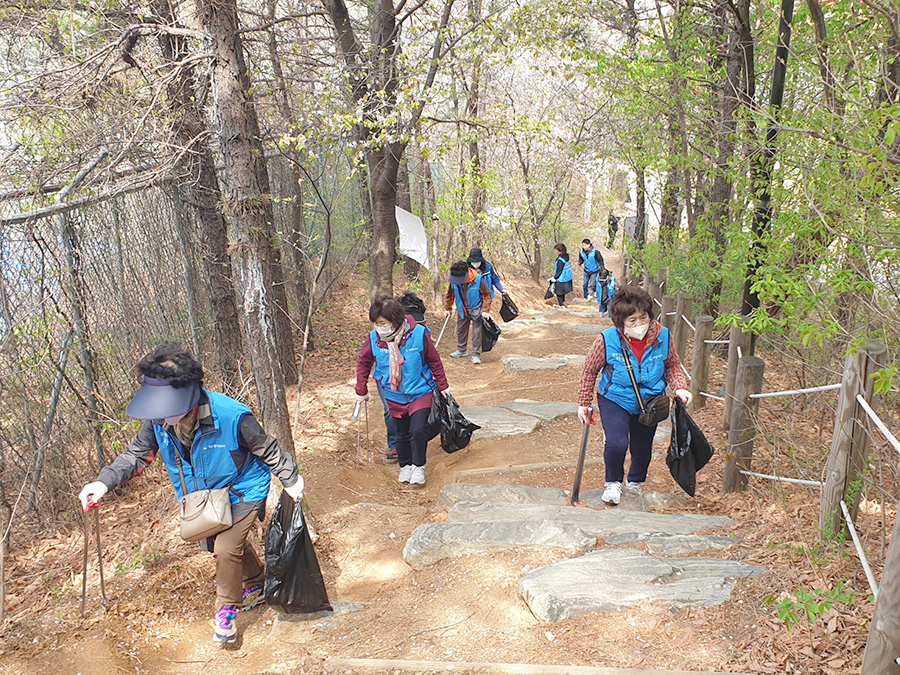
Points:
[[579, 469], [92, 506]]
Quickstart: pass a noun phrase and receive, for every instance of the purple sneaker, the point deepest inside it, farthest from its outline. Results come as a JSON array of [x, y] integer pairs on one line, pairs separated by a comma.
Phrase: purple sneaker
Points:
[[253, 597], [226, 631]]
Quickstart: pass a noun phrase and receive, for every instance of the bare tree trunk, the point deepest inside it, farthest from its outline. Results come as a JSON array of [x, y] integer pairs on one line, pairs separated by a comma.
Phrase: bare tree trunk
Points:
[[384, 165], [248, 204]]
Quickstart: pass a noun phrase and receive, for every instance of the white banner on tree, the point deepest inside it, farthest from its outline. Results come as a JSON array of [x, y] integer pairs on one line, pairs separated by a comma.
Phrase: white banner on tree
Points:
[[413, 239]]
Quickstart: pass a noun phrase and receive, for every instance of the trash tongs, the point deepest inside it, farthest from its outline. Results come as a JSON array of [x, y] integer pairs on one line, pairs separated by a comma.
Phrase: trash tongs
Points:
[[355, 418], [92, 506]]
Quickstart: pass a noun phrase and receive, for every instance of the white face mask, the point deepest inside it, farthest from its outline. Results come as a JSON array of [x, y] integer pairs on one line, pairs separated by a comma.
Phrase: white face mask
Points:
[[172, 421], [384, 331], [476, 265], [638, 332]]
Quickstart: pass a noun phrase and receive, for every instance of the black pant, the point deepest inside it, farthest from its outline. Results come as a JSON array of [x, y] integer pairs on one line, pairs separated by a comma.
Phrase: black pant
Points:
[[622, 433], [412, 438], [561, 299]]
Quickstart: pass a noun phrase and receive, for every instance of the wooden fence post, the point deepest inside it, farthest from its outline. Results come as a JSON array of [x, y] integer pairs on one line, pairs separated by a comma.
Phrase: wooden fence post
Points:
[[700, 361], [662, 280], [883, 645], [682, 312], [850, 441], [737, 339], [742, 430], [668, 311]]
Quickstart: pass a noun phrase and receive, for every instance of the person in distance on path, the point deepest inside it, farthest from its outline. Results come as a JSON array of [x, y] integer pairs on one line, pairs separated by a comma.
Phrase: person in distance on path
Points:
[[220, 444], [606, 288], [650, 348], [469, 293], [592, 261], [409, 369], [479, 264], [562, 274]]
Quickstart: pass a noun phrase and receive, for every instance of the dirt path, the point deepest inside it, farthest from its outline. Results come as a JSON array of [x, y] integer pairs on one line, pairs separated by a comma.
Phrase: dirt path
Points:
[[464, 609]]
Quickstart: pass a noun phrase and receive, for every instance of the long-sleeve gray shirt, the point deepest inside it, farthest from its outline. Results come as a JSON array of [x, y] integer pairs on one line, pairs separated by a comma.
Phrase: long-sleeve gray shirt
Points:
[[141, 452]]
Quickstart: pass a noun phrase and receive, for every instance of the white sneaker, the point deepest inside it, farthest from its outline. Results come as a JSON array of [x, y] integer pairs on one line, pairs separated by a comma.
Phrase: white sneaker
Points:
[[459, 354], [476, 358], [633, 488], [405, 473], [612, 494], [418, 476]]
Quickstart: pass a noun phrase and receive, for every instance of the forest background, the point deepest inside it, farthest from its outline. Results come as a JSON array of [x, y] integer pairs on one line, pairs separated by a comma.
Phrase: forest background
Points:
[[204, 170]]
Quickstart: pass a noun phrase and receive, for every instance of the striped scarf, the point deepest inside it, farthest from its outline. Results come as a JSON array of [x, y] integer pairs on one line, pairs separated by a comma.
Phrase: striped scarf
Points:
[[396, 358]]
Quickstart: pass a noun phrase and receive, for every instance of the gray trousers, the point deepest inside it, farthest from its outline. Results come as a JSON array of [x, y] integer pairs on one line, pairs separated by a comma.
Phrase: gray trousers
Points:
[[462, 331]]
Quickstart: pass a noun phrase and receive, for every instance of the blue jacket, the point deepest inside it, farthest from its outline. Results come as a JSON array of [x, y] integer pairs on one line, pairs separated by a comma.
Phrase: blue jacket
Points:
[[610, 289], [217, 459], [615, 384], [494, 278], [590, 262], [417, 379], [566, 274], [473, 295]]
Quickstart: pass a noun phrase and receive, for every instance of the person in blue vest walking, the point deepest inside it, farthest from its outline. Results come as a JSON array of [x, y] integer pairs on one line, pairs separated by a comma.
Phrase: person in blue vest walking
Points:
[[605, 289], [592, 261], [562, 274], [650, 348], [469, 294], [479, 264], [409, 369], [220, 444]]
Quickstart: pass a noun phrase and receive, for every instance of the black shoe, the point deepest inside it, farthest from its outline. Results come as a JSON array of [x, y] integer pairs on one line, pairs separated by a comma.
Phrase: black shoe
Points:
[[391, 455]]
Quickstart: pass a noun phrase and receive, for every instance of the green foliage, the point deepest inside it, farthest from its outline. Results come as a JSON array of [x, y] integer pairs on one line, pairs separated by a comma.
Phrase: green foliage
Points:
[[142, 558], [809, 605]]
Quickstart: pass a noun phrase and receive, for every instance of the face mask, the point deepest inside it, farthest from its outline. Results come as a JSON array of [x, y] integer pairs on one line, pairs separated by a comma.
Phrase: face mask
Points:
[[384, 331], [172, 421], [476, 265], [638, 332]]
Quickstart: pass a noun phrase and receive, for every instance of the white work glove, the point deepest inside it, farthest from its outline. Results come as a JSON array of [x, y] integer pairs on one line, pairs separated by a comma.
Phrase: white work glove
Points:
[[92, 492], [362, 397], [295, 491], [684, 395], [504, 292], [551, 280], [486, 315], [585, 414], [445, 392]]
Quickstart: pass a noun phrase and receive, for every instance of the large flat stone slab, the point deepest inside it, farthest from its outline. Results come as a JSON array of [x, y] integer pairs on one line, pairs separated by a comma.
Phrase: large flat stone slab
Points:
[[602, 524], [521, 325], [595, 328], [647, 499], [433, 541], [496, 422], [673, 544], [546, 410], [515, 363], [603, 581], [510, 494]]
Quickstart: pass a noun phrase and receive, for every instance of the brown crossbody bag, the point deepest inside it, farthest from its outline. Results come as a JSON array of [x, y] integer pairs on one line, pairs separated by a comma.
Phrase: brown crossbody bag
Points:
[[204, 513]]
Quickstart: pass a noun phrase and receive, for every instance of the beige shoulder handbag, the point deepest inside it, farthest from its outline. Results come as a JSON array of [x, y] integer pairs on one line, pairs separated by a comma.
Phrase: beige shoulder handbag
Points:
[[204, 513]]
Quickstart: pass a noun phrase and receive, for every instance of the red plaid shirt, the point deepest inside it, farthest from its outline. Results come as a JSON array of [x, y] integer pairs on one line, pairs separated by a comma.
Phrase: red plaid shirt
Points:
[[596, 360]]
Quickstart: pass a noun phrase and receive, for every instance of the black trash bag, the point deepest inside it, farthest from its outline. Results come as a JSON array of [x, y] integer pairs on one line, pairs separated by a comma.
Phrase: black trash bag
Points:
[[414, 306], [689, 451], [490, 333], [456, 430], [551, 291], [508, 309], [294, 581], [433, 425]]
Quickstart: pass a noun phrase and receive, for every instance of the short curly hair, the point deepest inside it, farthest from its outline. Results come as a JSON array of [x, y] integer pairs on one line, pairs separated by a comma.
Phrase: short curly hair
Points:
[[172, 363], [389, 309], [626, 301]]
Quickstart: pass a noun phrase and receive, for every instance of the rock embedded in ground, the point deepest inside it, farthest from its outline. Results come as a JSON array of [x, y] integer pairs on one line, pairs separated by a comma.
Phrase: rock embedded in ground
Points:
[[515, 363], [546, 410], [499, 421], [434, 541], [601, 524], [672, 544], [604, 581], [510, 494], [646, 499], [595, 328]]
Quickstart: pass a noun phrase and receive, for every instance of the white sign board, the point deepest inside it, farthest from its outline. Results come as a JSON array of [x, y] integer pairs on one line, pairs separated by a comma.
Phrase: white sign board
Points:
[[413, 239]]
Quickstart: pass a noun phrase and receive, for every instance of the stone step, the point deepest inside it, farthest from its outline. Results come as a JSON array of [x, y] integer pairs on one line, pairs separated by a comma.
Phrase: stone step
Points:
[[434, 541], [347, 666], [496, 421], [605, 581], [511, 494], [516, 363], [602, 524], [545, 410]]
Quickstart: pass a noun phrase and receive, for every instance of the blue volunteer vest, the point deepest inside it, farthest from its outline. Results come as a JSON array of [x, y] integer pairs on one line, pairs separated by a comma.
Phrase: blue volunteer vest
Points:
[[611, 288], [473, 296], [214, 454], [590, 261], [417, 380], [615, 385], [567, 270]]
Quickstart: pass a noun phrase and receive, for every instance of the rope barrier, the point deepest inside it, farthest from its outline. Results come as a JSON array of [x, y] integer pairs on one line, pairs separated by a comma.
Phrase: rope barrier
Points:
[[859, 551], [878, 423], [782, 479], [792, 392], [739, 352], [690, 325], [717, 342], [712, 396], [686, 372], [657, 302]]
